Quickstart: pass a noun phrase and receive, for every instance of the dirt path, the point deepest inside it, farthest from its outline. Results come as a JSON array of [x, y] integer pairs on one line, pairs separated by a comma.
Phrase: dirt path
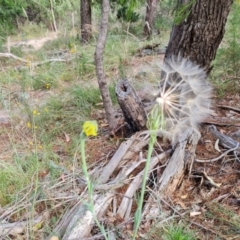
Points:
[[35, 43]]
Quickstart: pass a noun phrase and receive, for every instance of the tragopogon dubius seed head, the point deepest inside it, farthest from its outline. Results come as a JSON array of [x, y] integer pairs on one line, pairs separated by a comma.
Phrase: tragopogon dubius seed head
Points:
[[184, 94]]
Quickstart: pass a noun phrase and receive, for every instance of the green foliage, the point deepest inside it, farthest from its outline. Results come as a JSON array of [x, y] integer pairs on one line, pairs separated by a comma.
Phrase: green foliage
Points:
[[176, 232], [226, 71], [15, 176], [13, 12], [164, 17], [182, 11], [9, 10], [126, 10]]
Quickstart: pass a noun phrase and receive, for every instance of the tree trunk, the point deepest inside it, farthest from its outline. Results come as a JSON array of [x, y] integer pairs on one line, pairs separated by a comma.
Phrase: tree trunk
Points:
[[86, 20], [199, 34], [107, 102], [149, 19]]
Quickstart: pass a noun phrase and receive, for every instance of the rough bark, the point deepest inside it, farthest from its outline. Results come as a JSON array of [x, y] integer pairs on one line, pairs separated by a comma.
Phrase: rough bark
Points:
[[131, 105], [198, 36], [86, 20], [149, 19], [107, 102]]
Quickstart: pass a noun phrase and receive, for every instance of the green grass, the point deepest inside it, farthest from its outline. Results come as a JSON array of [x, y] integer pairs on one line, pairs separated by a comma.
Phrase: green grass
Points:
[[226, 72], [176, 232]]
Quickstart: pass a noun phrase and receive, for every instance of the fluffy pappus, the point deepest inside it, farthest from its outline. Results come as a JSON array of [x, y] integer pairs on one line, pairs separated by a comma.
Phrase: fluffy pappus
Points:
[[184, 93]]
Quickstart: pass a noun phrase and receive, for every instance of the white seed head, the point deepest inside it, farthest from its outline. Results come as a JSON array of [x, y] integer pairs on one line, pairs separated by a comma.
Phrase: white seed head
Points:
[[185, 95]]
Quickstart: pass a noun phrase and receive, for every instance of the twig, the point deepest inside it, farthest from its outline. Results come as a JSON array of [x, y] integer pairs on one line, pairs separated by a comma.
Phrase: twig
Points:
[[229, 107], [10, 55], [219, 157]]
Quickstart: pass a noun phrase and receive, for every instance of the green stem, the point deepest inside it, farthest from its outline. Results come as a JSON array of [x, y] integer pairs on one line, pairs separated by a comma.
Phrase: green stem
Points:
[[138, 213], [90, 205]]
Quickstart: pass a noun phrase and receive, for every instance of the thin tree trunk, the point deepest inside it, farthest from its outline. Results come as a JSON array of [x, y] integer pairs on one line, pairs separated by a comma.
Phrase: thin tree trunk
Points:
[[149, 19], [53, 16], [107, 102], [86, 20], [199, 34]]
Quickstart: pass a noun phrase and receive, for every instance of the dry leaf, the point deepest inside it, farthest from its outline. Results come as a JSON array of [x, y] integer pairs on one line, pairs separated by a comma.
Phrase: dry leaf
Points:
[[54, 238], [184, 196], [192, 214], [217, 146], [67, 138]]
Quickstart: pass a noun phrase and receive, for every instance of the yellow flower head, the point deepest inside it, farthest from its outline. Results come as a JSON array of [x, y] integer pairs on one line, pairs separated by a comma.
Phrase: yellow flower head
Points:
[[35, 112], [29, 125], [47, 86], [90, 128]]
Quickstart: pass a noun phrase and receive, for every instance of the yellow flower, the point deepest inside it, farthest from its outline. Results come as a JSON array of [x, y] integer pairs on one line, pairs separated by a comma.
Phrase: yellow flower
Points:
[[90, 128], [47, 86], [35, 112], [72, 50], [29, 125]]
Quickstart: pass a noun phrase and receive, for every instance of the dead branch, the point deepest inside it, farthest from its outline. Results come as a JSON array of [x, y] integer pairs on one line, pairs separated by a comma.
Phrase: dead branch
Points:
[[10, 55], [229, 107], [219, 157], [222, 121], [34, 64], [224, 140]]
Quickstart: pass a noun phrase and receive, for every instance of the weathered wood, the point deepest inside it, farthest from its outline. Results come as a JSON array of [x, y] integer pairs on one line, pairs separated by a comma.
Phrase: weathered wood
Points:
[[82, 222], [222, 121], [115, 160], [131, 105], [135, 184], [181, 159]]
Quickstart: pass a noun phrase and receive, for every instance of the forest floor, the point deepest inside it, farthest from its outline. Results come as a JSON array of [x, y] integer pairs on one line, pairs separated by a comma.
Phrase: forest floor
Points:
[[41, 113]]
